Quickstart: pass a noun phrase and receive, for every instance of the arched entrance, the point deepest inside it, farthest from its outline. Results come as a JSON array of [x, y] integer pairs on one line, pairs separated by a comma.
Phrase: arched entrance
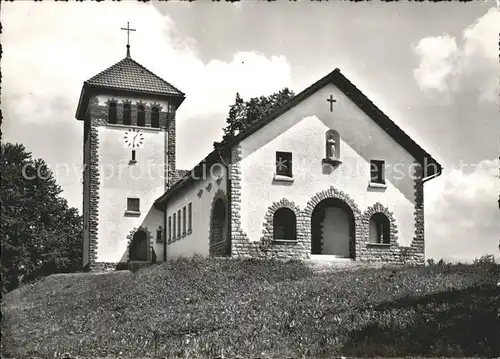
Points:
[[333, 229], [219, 243], [139, 246]]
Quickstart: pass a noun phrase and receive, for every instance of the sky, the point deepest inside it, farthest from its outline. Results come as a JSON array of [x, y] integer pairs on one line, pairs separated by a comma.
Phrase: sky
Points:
[[433, 68]]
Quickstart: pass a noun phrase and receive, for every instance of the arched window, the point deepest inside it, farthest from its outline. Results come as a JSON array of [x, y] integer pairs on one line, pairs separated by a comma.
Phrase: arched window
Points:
[[284, 225], [379, 229], [127, 119], [141, 117], [112, 112], [139, 247], [155, 117]]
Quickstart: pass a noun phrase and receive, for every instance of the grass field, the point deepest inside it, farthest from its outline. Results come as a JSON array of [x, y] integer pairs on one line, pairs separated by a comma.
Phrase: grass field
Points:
[[205, 308]]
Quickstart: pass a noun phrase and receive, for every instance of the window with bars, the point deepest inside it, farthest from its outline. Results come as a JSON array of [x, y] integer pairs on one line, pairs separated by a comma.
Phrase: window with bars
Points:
[[133, 205], [284, 164]]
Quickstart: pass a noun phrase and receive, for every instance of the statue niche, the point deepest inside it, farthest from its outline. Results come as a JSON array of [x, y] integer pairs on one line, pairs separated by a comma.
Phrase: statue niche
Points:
[[332, 148]]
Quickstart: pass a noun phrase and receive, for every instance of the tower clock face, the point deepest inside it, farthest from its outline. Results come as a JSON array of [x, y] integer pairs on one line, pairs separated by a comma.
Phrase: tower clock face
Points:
[[133, 139]]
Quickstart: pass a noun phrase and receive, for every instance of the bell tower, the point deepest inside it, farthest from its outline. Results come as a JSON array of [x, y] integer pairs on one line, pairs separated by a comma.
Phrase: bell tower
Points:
[[128, 116]]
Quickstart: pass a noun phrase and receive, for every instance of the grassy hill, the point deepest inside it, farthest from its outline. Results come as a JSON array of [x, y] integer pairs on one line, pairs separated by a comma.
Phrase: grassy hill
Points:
[[251, 308]]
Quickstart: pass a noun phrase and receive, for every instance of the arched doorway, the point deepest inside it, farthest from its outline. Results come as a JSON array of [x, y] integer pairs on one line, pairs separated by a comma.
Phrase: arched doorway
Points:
[[139, 247], [219, 243], [333, 229]]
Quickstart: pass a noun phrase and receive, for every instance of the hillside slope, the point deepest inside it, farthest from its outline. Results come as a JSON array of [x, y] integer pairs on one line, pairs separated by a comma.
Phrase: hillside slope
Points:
[[251, 308]]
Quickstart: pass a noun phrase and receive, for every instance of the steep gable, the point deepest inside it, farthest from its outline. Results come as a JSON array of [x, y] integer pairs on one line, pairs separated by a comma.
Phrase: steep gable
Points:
[[363, 103], [356, 96]]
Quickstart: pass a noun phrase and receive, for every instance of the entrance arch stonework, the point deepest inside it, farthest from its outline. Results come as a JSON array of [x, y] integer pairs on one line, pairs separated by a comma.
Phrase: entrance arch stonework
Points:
[[219, 239], [149, 242], [334, 194]]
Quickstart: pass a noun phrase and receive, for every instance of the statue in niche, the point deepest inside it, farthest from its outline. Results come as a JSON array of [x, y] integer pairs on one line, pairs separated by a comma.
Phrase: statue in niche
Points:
[[330, 148]]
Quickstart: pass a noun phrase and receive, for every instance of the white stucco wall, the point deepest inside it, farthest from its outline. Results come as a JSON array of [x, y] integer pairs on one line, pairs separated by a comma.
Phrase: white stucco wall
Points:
[[301, 131], [120, 180], [198, 241]]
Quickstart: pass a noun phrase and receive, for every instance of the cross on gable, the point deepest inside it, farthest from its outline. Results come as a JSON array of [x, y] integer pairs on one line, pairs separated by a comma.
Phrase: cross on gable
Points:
[[331, 100]]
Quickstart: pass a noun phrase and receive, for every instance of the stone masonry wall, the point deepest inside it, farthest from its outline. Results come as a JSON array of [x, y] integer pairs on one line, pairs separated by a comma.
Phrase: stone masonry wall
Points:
[[93, 168]]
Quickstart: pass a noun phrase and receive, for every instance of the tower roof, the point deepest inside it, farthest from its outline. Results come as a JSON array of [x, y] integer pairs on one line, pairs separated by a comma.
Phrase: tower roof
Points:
[[129, 75]]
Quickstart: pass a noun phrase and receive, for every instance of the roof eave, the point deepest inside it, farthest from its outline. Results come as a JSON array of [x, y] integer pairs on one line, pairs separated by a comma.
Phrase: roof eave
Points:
[[78, 115], [161, 201]]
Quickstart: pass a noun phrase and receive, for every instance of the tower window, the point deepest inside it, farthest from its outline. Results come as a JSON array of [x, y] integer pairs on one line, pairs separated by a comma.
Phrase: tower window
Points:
[[112, 113], [141, 117], [127, 119], [155, 117], [133, 204], [133, 156]]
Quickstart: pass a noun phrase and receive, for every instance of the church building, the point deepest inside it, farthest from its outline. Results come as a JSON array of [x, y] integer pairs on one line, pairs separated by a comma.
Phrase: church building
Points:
[[326, 174]]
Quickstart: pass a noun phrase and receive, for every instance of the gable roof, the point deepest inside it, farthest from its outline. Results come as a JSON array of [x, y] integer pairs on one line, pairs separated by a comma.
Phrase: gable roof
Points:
[[129, 75], [357, 97]]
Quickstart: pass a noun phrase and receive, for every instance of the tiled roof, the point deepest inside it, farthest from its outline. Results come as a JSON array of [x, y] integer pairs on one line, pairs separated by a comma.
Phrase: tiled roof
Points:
[[179, 175], [128, 74]]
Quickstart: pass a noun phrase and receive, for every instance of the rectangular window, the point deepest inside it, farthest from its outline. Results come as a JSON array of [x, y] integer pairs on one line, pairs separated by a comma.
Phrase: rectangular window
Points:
[[377, 174], [174, 232], [284, 164], [169, 229], [190, 217], [133, 204], [179, 223], [184, 221], [159, 235], [133, 155]]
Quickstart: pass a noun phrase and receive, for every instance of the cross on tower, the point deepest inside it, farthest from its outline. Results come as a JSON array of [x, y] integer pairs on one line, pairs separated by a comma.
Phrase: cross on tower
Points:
[[128, 29], [331, 100]]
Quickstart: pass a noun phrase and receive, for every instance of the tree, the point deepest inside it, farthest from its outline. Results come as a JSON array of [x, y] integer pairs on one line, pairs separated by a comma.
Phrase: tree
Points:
[[243, 115], [40, 233]]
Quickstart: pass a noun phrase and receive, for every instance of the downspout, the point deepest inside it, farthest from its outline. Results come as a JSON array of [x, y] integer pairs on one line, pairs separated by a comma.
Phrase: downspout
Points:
[[165, 233], [166, 174]]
